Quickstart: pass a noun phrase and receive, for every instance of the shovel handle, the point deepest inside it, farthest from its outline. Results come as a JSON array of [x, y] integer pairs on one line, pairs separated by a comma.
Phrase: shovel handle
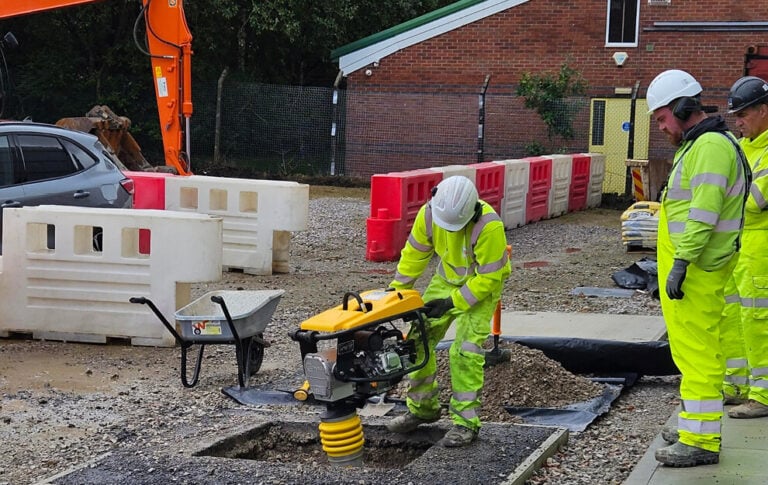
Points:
[[496, 327]]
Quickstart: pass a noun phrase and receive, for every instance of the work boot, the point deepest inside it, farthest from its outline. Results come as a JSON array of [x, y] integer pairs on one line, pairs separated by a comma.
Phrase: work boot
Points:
[[458, 436], [681, 455], [408, 422], [729, 400], [670, 434], [748, 410]]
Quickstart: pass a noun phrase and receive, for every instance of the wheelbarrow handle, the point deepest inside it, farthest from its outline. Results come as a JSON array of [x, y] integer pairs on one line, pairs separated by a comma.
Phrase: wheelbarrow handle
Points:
[[239, 348], [146, 301]]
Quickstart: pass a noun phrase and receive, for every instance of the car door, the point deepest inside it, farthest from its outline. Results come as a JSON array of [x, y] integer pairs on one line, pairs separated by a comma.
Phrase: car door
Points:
[[11, 192], [52, 175]]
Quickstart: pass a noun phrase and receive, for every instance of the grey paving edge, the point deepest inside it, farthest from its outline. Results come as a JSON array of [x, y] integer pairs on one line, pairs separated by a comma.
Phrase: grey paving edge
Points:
[[534, 461], [647, 466], [50, 480]]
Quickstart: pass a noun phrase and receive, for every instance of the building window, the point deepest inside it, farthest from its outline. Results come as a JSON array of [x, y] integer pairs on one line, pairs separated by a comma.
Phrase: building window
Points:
[[622, 23]]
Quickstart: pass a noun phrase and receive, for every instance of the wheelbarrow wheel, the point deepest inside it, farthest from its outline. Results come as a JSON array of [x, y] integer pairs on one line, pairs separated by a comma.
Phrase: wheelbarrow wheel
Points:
[[254, 355]]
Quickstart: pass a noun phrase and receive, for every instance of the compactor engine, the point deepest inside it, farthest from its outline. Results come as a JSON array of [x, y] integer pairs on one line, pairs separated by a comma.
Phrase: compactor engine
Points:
[[355, 351]]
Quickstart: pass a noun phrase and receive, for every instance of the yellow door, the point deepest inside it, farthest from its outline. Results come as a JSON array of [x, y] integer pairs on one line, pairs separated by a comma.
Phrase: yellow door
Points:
[[609, 135]]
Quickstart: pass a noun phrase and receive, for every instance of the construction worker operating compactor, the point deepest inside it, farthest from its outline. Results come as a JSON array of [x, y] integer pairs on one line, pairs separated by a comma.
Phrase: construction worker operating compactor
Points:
[[700, 220], [468, 237], [748, 100]]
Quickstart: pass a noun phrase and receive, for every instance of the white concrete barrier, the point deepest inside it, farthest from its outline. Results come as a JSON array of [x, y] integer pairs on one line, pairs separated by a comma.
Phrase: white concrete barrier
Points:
[[57, 285], [258, 216]]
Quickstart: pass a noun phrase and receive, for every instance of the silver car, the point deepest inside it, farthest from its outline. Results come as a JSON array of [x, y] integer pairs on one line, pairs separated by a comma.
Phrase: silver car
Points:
[[45, 164]]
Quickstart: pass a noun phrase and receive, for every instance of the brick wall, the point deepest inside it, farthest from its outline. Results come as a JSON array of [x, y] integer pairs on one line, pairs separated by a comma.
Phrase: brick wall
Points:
[[541, 35]]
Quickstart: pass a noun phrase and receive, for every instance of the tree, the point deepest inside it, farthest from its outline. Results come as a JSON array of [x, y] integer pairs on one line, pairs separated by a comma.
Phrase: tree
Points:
[[547, 93], [73, 58]]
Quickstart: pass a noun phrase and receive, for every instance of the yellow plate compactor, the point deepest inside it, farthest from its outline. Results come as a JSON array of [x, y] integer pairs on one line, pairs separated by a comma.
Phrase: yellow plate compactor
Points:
[[355, 351]]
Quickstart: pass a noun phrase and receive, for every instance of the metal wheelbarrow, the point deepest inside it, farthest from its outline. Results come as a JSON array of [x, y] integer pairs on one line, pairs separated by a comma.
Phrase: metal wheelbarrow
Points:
[[236, 317]]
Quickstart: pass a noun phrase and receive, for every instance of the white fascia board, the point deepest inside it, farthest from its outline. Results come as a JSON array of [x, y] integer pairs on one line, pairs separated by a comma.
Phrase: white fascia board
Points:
[[374, 53]]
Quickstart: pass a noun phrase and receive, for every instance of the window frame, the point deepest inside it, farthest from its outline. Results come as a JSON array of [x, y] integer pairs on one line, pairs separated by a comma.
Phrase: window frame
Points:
[[608, 42]]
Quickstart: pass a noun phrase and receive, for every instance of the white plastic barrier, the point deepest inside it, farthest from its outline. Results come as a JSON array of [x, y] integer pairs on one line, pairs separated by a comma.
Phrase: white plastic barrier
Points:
[[596, 177], [61, 288], [562, 166], [516, 175], [257, 214], [451, 170]]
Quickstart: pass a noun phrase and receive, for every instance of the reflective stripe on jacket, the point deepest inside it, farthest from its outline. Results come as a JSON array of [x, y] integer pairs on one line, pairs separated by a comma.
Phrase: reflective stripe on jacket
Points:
[[473, 259], [704, 201]]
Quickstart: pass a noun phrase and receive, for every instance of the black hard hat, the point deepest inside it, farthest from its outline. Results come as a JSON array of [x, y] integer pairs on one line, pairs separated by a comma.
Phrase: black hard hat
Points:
[[746, 92]]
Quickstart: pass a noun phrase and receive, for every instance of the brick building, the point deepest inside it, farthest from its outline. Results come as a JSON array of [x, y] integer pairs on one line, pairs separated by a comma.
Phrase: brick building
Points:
[[412, 91]]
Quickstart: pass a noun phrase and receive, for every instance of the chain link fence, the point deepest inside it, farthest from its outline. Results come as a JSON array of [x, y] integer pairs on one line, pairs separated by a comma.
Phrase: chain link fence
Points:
[[287, 130]]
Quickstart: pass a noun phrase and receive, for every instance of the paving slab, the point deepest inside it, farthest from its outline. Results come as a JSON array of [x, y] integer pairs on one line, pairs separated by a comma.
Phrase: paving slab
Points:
[[742, 458], [624, 328]]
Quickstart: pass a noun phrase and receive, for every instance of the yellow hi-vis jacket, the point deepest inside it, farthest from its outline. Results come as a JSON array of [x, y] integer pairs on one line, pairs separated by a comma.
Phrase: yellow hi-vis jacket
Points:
[[704, 201], [756, 150], [473, 259]]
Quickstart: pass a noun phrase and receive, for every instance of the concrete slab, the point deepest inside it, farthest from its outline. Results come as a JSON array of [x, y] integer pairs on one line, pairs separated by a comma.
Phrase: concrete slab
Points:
[[624, 328]]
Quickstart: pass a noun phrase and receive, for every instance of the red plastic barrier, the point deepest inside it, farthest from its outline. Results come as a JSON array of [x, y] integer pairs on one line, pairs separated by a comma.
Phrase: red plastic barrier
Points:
[[395, 200], [539, 185], [384, 235], [149, 189], [148, 193], [489, 180], [579, 190]]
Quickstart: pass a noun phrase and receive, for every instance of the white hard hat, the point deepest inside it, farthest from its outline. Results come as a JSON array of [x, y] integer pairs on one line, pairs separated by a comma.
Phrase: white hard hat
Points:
[[669, 86], [453, 204]]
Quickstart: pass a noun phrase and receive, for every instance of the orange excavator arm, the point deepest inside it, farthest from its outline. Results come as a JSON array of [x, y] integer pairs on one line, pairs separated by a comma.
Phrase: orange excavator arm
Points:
[[170, 49]]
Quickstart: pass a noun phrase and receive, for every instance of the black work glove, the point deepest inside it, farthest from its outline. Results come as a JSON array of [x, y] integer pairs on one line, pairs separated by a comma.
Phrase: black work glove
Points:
[[438, 308], [676, 278]]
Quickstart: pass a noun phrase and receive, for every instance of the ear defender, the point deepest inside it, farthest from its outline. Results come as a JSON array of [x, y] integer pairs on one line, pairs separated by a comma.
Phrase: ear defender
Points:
[[478, 212], [685, 106]]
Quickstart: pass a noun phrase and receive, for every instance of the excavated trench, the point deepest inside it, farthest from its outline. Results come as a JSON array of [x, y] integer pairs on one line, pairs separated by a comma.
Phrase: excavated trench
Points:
[[290, 451]]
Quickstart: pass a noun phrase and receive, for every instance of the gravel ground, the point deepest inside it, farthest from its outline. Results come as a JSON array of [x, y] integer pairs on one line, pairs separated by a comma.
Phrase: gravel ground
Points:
[[64, 404]]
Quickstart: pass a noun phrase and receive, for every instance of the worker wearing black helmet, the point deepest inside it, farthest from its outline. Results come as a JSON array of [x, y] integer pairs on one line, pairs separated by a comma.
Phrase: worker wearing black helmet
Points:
[[748, 101]]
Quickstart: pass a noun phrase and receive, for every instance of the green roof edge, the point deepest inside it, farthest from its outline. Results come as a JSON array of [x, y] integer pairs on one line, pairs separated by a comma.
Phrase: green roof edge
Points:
[[404, 27]]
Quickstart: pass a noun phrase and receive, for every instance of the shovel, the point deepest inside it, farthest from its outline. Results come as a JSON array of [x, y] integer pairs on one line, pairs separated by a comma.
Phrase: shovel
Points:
[[496, 355], [376, 406]]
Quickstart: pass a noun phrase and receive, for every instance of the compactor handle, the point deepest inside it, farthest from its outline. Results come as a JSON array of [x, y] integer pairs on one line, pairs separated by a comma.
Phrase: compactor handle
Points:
[[345, 303]]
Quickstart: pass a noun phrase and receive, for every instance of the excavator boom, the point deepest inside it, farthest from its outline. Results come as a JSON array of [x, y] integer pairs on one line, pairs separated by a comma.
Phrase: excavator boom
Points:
[[169, 43]]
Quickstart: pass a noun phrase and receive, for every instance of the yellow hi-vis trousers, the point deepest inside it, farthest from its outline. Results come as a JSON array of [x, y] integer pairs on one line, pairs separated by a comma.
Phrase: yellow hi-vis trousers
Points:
[[466, 356], [693, 326]]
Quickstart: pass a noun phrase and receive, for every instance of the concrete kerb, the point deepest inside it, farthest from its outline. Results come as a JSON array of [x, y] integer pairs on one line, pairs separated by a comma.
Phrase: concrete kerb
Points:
[[537, 458]]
